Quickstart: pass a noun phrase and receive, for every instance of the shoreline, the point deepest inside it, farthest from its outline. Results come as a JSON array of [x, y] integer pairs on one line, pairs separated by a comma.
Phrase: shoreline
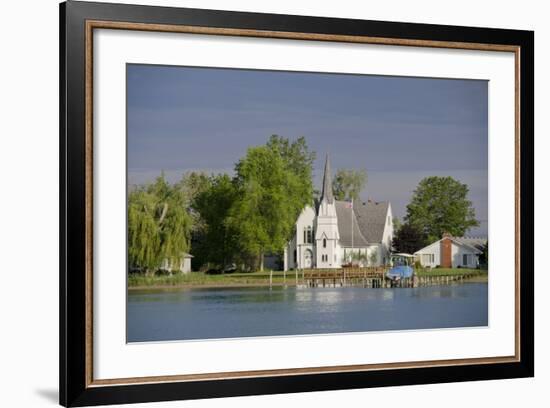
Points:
[[217, 285], [212, 285]]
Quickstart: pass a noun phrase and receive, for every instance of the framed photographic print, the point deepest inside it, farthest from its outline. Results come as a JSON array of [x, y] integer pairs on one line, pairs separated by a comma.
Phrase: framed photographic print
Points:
[[256, 203]]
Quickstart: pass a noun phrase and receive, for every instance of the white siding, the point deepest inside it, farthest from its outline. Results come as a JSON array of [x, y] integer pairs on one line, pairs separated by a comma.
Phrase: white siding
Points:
[[430, 255], [327, 237], [186, 265], [298, 246], [458, 252], [387, 238]]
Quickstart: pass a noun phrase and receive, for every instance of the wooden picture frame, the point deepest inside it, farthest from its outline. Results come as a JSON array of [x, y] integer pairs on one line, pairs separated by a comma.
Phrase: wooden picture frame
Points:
[[78, 20]]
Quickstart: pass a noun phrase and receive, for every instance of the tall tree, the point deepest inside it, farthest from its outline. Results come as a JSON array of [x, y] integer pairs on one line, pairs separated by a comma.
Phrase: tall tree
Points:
[[193, 183], [396, 224], [347, 184], [298, 159], [440, 204], [218, 242], [409, 239], [158, 225], [263, 214]]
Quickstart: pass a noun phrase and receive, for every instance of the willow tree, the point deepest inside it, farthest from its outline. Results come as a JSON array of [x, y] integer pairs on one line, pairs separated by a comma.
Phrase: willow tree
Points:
[[158, 225]]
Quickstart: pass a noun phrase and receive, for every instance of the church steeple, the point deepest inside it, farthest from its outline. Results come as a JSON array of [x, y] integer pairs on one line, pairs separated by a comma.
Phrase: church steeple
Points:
[[327, 234], [327, 183]]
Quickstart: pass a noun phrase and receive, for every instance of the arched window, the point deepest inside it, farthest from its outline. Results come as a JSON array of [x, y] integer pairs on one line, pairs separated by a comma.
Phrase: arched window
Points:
[[308, 235], [324, 242]]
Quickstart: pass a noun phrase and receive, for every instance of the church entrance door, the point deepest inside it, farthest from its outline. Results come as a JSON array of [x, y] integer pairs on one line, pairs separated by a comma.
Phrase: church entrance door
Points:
[[308, 257]]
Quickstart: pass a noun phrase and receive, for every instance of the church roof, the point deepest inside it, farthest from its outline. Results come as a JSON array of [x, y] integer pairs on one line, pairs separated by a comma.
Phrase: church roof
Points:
[[372, 219], [344, 214], [369, 221], [327, 183], [369, 218]]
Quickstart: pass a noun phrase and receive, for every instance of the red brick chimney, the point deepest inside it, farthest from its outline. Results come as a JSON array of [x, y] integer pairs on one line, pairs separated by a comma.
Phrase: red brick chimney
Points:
[[446, 251]]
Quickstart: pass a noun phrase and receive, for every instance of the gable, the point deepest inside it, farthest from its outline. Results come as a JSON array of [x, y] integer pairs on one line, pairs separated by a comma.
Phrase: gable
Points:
[[372, 219], [432, 248]]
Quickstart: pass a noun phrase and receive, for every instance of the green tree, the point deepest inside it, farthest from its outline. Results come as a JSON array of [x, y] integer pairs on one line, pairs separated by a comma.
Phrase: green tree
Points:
[[193, 183], [409, 239], [297, 159], [218, 242], [158, 225], [484, 257], [263, 214], [440, 204], [347, 184], [396, 224]]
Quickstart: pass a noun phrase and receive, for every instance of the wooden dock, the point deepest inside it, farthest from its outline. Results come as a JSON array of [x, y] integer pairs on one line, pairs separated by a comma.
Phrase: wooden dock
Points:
[[370, 277], [374, 277]]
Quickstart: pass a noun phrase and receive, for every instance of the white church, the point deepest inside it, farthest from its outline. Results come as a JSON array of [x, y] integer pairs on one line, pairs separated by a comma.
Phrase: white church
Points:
[[339, 232]]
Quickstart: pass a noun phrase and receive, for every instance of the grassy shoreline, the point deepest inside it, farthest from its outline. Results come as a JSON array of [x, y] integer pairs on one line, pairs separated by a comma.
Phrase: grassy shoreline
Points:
[[448, 271], [202, 280]]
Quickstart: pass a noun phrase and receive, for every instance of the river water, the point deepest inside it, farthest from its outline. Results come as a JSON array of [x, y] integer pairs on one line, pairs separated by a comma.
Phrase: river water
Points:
[[184, 314]]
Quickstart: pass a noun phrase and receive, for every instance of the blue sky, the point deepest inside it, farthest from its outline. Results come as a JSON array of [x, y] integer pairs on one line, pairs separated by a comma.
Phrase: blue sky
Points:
[[398, 129]]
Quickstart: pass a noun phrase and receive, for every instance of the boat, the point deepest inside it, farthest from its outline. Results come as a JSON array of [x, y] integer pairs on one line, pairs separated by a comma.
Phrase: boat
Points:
[[402, 266]]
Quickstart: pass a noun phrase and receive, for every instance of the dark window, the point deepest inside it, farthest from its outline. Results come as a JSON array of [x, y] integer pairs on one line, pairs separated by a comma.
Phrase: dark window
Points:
[[324, 243], [295, 257]]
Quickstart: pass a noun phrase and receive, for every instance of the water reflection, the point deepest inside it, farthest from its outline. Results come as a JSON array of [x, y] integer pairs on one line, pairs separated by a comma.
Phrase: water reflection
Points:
[[259, 311]]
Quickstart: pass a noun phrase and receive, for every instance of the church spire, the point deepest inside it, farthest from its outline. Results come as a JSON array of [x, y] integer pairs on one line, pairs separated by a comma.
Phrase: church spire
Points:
[[327, 183]]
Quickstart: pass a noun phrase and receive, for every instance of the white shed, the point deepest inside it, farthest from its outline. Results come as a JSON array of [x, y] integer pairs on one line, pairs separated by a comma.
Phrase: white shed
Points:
[[184, 266]]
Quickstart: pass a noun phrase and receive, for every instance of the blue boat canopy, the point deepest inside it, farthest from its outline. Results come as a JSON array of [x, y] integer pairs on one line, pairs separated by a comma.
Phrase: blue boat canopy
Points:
[[401, 266]]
